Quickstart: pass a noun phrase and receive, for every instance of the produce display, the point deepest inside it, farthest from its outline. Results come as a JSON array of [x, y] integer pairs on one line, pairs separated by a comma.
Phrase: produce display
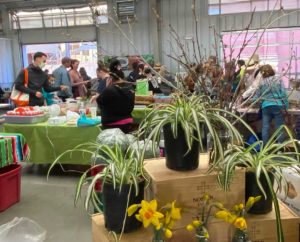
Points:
[[25, 111]]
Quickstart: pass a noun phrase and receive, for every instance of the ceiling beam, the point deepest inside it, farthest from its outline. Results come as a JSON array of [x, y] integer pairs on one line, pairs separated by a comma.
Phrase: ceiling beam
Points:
[[40, 4]]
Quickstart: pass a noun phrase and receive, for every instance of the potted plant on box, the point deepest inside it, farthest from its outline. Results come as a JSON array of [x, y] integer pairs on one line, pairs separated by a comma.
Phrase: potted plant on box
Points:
[[123, 180], [264, 165], [183, 122]]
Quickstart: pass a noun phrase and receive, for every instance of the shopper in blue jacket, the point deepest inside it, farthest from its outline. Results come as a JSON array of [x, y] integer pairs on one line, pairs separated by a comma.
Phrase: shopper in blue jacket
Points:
[[274, 101]]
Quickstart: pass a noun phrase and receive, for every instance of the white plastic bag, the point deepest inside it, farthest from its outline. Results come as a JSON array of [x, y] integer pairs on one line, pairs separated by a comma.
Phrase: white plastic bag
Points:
[[22, 230], [112, 137]]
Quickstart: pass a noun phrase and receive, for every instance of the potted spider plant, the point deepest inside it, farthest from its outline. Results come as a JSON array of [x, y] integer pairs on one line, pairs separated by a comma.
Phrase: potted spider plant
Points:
[[123, 180], [264, 165], [183, 122]]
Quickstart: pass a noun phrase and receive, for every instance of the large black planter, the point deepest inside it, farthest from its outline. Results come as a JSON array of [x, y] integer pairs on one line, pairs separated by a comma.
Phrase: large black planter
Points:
[[115, 205], [252, 190], [177, 157]]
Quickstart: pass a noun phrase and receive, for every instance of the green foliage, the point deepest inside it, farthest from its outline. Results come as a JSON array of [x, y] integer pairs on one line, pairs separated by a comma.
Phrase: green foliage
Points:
[[119, 168], [192, 114], [272, 158]]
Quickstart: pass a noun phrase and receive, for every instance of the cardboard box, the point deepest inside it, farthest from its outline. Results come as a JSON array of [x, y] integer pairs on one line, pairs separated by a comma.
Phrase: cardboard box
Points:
[[293, 195], [187, 188], [100, 234], [261, 228]]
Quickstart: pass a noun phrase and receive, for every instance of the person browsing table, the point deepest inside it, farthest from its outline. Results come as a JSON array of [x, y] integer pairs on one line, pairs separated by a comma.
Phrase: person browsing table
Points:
[[37, 79], [62, 77], [116, 104]]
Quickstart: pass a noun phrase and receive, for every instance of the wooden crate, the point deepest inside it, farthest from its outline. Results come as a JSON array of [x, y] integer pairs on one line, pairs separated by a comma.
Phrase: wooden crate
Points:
[[187, 188]]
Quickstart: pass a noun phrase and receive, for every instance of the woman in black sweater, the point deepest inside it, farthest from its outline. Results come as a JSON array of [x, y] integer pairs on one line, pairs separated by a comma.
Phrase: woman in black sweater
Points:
[[116, 104]]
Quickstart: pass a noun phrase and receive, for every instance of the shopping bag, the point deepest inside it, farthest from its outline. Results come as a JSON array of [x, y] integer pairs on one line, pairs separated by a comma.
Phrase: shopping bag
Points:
[[142, 87], [20, 98]]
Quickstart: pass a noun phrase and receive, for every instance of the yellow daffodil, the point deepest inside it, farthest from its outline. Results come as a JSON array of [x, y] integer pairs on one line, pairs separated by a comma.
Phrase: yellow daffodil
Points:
[[222, 214], [197, 223], [148, 213], [168, 233], [171, 224], [132, 209], [172, 215], [219, 205], [206, 235], [138, 217], [168, 217], [158, 227], [206, 197], [240, 223], [241, 206], [226, 216], [236, 208], [250, 202], [175, 212], [190, 228], [257, 198], [231, 218]]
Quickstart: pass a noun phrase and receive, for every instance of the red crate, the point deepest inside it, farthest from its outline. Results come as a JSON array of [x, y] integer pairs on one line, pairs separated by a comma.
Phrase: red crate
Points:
[[10, 185]]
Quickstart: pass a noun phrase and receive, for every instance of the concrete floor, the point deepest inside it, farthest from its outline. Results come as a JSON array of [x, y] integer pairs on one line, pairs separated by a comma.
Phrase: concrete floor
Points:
[[51, 205]]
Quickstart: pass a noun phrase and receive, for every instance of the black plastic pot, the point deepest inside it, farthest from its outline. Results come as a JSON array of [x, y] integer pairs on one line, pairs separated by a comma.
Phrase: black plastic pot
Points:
[[252, 190], [115, 205], [177, 157]]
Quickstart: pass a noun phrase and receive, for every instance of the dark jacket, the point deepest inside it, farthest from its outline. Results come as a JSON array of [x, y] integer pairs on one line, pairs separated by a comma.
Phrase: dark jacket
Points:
[[132, 76], [116, 102], [154, 86], [102, 85], [37, 79]]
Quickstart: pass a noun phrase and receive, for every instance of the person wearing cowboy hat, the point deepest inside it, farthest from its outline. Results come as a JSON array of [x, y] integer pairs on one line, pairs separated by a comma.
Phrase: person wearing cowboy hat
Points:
[[252, 76]]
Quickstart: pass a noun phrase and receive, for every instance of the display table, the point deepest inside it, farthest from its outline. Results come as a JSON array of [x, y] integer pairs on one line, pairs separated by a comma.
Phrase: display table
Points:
[[47, 142]]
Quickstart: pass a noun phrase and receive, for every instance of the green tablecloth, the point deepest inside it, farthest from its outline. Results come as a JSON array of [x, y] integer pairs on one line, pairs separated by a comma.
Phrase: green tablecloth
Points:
[[46, 142]]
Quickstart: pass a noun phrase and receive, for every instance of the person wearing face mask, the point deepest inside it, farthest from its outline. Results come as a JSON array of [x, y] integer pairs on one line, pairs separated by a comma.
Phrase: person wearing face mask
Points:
[[37, 79]]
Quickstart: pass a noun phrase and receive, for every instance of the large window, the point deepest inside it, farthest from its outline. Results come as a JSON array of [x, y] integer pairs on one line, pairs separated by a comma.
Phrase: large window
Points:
[[238, 6], [278, 47], [85, 52], [58, 17], [6, 67]]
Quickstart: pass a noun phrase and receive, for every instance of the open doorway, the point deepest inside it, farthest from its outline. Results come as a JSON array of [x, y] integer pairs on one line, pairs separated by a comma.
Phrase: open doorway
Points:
[[85, 52]]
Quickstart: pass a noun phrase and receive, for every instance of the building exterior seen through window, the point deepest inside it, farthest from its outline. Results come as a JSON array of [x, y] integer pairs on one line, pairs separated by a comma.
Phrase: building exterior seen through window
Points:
[[216, 7], [58, 17], [278, 47], [85, 52]]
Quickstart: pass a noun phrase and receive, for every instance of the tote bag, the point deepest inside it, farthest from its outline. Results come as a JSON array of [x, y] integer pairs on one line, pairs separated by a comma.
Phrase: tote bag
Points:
[[20, 98]]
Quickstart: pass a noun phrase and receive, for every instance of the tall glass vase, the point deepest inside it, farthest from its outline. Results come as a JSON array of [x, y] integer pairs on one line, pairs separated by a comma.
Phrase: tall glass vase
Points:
[[201, 235], [203, 240], [158, 236], [240, 236]]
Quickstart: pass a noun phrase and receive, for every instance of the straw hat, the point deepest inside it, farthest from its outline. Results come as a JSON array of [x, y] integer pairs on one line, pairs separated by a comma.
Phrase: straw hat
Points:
[[254, 60], [157, 67]]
